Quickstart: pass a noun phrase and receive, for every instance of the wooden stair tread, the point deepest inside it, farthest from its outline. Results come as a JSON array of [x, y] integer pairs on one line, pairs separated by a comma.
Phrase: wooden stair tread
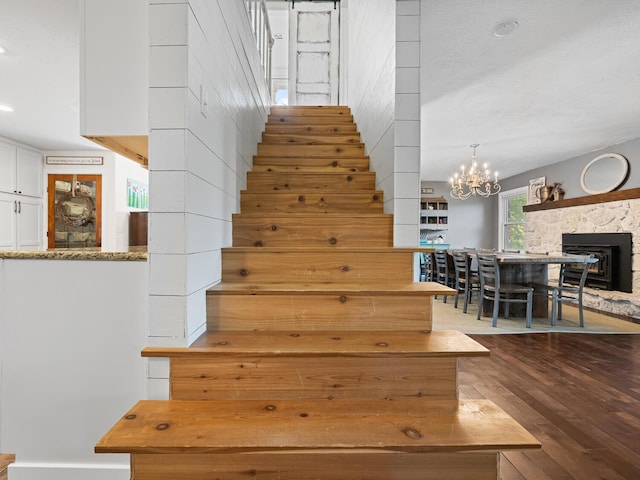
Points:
[[345, 343], [310, 160], [320, 150], [328, 191], [313, 109], [337, 128], [311, 215], [311, 138], [300, 288], [183, 426], [308, 120], [301, 249]]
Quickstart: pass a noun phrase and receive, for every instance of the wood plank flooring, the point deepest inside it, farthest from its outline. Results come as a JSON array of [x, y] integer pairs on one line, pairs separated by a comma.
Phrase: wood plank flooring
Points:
[[579, 394]]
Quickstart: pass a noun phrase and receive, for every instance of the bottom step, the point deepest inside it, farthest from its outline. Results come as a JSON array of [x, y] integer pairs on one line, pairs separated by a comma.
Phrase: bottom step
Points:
[[250, 426], [304, 440]]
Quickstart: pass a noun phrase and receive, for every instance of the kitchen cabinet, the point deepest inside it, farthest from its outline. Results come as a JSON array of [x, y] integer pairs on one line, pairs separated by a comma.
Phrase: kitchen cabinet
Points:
[[20, 222], [20, 197], [20, 170]]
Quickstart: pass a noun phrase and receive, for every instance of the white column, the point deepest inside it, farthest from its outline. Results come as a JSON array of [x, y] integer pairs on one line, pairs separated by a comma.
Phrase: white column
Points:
[[406, 207]]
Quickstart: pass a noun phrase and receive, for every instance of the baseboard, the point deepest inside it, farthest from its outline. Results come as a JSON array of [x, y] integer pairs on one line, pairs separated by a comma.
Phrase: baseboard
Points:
[[65, 471]]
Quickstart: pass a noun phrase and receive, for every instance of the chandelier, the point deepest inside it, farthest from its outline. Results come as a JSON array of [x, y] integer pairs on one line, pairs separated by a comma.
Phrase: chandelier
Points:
[[474, 181]]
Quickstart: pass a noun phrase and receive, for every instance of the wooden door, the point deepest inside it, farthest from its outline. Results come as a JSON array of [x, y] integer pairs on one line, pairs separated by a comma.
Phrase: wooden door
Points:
[[75, 211], [314, 46]]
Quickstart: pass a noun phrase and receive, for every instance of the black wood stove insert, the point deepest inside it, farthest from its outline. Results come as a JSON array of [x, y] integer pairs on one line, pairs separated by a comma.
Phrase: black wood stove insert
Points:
[[613, 251]]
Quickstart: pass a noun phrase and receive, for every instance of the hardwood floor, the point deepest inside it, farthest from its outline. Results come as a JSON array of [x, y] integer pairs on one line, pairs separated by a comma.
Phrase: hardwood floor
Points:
[[579, 394]]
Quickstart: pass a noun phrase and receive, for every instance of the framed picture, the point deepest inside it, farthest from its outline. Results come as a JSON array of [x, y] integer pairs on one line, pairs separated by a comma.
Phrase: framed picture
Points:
[[137, 194], [534, 185], [426, 191], [54, 160]]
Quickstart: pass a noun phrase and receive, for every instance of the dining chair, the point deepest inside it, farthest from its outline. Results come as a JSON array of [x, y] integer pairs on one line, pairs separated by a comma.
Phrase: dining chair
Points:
[[442, 273], [491, 288], [568, 292], [466, 281]]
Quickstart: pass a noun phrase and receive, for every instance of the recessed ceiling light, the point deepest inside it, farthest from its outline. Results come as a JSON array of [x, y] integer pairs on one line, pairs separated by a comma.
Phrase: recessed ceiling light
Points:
[[505, 28], [2, 50], [5, 108]]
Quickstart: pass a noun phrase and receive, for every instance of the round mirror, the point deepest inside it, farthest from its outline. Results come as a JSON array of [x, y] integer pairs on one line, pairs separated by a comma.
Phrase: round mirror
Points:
[[604, 173]]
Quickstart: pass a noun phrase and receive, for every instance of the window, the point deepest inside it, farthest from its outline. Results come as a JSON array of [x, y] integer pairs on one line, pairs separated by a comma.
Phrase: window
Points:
[[511, 224]]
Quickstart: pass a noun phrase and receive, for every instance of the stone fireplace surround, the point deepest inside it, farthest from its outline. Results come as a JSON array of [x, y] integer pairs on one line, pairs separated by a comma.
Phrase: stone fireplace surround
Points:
[[613, 212]]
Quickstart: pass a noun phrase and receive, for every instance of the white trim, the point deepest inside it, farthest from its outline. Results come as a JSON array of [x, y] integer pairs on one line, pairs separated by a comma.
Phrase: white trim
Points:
[[67, 471], [502, 196]]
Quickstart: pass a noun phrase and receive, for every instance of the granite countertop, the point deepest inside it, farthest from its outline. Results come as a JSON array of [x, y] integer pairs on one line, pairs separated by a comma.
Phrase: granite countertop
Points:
[[74, 254]]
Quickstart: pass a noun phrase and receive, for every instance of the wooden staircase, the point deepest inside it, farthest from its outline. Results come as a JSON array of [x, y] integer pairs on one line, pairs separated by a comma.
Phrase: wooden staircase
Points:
[[319, 360]]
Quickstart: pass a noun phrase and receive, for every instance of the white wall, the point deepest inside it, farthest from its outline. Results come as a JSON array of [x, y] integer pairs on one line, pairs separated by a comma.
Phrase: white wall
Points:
[[114, 67], [70, 363], [407, 124], [383, 69], [371, 57], [198, 161]]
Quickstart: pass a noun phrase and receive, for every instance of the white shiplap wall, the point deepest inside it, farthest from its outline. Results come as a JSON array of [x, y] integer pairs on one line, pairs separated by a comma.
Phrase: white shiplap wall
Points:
[[407, 124], [198, 157], [383, 92]]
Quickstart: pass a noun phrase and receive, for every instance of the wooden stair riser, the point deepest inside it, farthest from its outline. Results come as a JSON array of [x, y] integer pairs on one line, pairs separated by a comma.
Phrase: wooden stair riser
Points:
[[313, 202], [310, 164], [329, 150], [300, 312], [349, 182], [310, 139], [335, 111], [295, 378], [326, 129], [323, 267], [274, 119], [313, 466], [313, 230]]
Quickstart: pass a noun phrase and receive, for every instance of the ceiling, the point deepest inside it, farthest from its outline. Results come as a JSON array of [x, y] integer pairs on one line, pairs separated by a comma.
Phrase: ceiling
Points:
[[564, 83]]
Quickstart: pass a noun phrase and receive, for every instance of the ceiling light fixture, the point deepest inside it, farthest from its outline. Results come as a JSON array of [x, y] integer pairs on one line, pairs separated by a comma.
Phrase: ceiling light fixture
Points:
[[474, 181], [2, 50], [5, 108]]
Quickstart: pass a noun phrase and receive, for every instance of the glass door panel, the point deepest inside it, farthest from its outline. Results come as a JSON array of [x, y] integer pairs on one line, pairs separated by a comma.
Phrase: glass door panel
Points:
[[75, 211]]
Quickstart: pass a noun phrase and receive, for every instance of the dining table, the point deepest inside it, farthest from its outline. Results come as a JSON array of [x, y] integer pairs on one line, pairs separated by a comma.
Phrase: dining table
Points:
[[532, 269]]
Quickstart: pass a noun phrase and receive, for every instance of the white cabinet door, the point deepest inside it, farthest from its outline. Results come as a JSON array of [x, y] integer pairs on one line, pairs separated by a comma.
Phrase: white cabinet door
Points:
[[29, 172], [29, 221], [8, 213], [8, 172], [20, 222]]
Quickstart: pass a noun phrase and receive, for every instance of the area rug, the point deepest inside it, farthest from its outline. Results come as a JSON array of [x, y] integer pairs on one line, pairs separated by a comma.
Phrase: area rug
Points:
[[446, 317]]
